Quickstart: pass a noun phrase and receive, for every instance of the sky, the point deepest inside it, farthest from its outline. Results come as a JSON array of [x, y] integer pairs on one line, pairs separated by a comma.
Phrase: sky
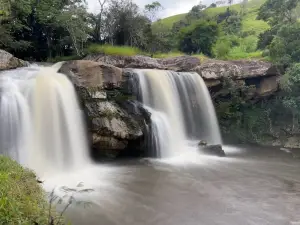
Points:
[[171, 7]]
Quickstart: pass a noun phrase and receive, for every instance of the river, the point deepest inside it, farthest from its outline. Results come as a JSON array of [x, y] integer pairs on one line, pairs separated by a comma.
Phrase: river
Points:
[[251, 186]]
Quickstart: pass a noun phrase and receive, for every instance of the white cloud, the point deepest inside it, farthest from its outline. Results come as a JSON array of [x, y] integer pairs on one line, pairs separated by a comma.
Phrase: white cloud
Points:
[[171, 7]]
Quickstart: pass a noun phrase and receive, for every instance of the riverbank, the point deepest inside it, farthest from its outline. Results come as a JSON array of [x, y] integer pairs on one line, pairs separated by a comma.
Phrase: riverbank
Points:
[[22, 199]]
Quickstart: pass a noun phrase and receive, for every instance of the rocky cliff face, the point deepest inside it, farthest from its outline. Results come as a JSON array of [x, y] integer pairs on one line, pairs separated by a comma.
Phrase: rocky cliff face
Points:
[[106, 89], [261, 76], [8, 61], [116, 123]]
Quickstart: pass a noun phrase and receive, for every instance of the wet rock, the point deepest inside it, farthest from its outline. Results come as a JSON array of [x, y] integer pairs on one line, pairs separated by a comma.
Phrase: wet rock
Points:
[[8, 61], [215, 150], [114, 122], [202, 143]]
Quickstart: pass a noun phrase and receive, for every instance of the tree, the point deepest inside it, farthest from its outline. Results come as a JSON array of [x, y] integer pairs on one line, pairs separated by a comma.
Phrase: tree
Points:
[[278, 11], [233, 24], [285, 47], [151, 10], [73, 18], [198, 37], [124, 24], [244, 4], [98, 21], [195, 13], [290, 84]]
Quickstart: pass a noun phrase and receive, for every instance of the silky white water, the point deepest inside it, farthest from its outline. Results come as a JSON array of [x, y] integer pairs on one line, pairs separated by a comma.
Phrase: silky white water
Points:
[[181, 109], [41, 124]]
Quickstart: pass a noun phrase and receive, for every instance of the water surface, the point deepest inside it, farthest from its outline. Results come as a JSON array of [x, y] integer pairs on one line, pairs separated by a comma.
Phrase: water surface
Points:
[[251, 186]]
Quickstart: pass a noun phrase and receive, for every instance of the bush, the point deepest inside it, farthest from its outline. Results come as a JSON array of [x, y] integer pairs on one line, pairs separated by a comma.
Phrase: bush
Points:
[[113, 50], [222, 48], [285, 47], [239, 53], [22, 200], [233, 24], [198, 38], [249, 44]]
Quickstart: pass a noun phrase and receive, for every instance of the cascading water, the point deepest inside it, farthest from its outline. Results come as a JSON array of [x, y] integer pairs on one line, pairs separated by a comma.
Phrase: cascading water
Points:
[[181, 110], [41, 124]]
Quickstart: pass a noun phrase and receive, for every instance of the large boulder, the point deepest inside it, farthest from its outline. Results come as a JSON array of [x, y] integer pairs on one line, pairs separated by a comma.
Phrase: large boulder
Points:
[[8, 61], [112, 126], [93, 76]]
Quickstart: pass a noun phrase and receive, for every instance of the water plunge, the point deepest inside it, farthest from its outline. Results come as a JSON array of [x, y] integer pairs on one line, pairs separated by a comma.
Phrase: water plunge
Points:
[[181, 109], [41, 122]]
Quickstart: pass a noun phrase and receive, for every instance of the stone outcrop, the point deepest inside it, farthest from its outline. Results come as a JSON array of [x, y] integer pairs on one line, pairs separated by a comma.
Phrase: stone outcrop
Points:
[[180, 63], [8, 61], [239, 69], [113, 125], [141, 62], [260, 75]]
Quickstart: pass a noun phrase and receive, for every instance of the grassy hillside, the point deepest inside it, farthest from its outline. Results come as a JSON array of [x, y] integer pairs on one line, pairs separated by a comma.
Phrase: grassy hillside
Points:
[[249, 22]]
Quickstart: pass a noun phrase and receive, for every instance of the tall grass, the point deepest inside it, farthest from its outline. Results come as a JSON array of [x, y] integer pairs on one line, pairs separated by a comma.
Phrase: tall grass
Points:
[[113, 50], [22, 200], [167, 55], [238, 53]]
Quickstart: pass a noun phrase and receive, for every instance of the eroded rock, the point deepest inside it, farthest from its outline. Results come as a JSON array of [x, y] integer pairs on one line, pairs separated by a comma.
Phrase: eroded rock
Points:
[[239, 69], [180, 63], [8, 61], [113, 126]]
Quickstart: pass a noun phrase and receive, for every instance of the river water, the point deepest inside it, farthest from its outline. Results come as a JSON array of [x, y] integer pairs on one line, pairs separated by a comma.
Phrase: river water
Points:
[[250, 186]]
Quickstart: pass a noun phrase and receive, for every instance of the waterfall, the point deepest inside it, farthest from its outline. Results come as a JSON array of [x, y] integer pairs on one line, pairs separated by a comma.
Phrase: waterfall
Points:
[[181, 109], [41, 124]]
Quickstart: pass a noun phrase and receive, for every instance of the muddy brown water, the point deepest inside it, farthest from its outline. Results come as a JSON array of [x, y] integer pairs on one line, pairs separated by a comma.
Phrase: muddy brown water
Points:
[[251, 186]]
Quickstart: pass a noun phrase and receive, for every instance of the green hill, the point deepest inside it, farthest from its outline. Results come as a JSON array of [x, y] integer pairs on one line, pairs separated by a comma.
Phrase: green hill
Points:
[[249, 22]]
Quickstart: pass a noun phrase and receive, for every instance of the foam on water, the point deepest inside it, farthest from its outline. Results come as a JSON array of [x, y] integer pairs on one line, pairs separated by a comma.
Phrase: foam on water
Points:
[[41, 122]]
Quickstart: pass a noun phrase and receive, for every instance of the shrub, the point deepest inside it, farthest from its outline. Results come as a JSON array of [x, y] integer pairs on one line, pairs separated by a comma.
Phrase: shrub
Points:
[[113, 50], [222, 48], [239, 53], [249, 44], [198, 38], [22, 200]]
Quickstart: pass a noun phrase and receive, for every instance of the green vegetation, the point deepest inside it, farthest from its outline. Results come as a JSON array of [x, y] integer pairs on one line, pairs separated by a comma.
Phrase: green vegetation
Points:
[[113, 50], [274, 119], [61, 30], [169, 21], [198, 37], [22, 200]]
